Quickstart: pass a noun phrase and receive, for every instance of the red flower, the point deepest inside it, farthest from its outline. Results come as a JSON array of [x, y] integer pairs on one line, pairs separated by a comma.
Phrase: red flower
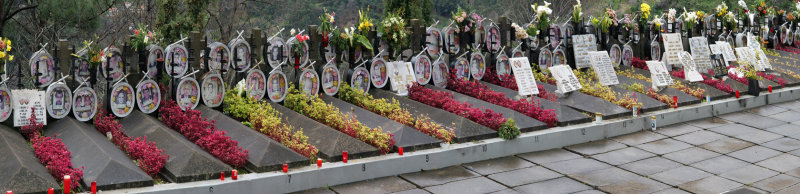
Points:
[[135, 32], [299, 37]]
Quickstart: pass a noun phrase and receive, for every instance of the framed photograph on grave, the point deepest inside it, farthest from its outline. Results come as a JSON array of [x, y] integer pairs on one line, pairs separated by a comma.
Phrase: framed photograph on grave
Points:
[[360, 79], [545, 59], [379, 73], [85, 104], [720, 65], [559, 57], [440, 74], [213, 91], [155, 56], [502, 67], [122, 100], [5, 104], [299, 58], [741, 40], [627, 55], [148, 96], [276, 51], [555, 36], [279, 85], [730, 39], [331, 79], [188, 93], [462, 68], [451, 42], [58, 99], [517, 53], [655, 51], [112, 60], [240, 55], [492, 38], [81, 68], [219, 57], [42, 68], [329, 51], [433, 40], [616, 55], [177, 56], [256, 84], [422, 69], [309, 82], [566, 33]]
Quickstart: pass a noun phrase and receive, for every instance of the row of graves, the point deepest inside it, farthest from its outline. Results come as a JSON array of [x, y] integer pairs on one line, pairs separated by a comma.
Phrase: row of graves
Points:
[[272, 101]]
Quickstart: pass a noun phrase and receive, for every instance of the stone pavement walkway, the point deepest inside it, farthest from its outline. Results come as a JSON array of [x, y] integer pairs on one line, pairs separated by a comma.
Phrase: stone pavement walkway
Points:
[[755, 151]]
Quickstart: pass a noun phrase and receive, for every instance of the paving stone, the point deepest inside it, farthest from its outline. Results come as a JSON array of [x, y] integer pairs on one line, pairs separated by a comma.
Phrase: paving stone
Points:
[[574, 166], [680, 175], [623, 156], [596, 147], [787, 129], [672, 191], [381, 185], [691, 155], [737, 117], [321, 190], [745, 190], [664, 146], [759, 137], [781, 163], [604, 177], [650, 166], [749, 174], [677, 129], [760, 122], [768, 110], [555, 186], [791, 105], [524, 176], [590, 192], [637, 185], [547, 156], [506, 191], [719, 164], [776, 183], [726, 145], [788, 116], [794, 189], [708, 123], [439, 176], [22, 171], [754, 154], [503, 164], [734, 129], [712, 184], [699, 137], [412, 191], [783, 144], [638, 138], [473, 185]]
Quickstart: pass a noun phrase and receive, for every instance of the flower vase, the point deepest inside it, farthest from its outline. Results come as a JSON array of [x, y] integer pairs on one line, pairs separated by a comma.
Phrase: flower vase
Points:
[[576, 28], [325, 38], [351, 55], [752, 87], [296, 60]]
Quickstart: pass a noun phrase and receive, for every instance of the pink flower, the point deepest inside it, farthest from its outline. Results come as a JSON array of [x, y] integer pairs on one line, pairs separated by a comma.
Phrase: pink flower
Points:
[[463, 14], [135, 32]]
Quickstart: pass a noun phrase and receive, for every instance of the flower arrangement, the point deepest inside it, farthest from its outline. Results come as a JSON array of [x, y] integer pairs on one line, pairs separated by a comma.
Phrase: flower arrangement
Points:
[[645, 10], [392, 110], [315, 108], [745, 71], [637, 87], [467, 22], [511, 83], [52, 153], [593, 87], [696, 92], [204, 133], [326, 21], [144, 153], [394, 31], [671, 15], [445, 101], [721, 10], [716, 83], [577, 12], [602, 23], [546, 78], [744, 9], [761, 7], [265, 119], [141, 39], [519, 32], [542, 17], [5, 50], [93, 54], [657, 22], [627, 23], [530, 108], [689, 18], [297, 44], [350, 39], [364, 22]]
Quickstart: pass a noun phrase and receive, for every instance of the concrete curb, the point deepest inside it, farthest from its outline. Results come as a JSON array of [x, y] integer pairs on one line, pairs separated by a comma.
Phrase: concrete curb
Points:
[[448, 155]]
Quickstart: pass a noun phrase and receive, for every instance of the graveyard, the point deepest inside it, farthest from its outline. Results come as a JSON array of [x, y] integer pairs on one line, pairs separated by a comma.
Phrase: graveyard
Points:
[[292, 109]]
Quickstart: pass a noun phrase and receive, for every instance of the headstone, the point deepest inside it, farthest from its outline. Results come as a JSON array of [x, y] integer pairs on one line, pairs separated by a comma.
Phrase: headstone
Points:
[[690, 68], [763, 61], [240, 54], [720, 65], [220, 57], [582, 45], [673, 47], [701, 53], [727, 51], [565, 78], [331, 79], [659, 75], [746, 54], [402, 76], [752, 42], [602, 65], [523, 74], [23, 101]]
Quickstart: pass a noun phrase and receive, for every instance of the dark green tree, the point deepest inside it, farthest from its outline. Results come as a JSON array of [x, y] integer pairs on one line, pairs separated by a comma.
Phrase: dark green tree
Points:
[[179, 17], [411, 9]]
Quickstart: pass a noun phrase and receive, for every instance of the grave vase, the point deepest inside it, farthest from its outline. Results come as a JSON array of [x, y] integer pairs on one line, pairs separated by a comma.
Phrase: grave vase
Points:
[[325, 39], [752, 87]]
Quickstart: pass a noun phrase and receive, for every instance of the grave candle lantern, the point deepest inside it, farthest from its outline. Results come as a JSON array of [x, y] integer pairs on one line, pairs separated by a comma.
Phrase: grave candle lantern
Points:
[[285, 168], [598, 118], [234, 174], [319, 163], [675, 99], [400, 150], [67, 181], [344, 156], [94, 187], [737, 93], [51, 191], [653, 123], [770, 89], [222, 176]]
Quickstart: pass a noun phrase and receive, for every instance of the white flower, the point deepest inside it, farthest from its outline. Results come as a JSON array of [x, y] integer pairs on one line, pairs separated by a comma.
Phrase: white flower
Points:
[[671, 14], [546, 4], [146, 39], [797, 5], [743, 4], [543, 10], [579, 2], [292, 31]]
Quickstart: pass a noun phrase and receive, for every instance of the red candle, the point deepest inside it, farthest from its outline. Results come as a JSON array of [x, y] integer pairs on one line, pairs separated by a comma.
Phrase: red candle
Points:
[[222, 176], [285, 168], [94, 187], [737, 93], [344, 156], [675, 98], [9, 192], [51, 191], [400, 150], [67, 181], [319, 163], [234, 174], [770, 89]]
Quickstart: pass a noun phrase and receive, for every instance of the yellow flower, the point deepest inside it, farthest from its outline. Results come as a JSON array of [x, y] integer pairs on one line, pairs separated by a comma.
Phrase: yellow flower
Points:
[[2, 54], [8, 48], [11, 57], [8, 42]]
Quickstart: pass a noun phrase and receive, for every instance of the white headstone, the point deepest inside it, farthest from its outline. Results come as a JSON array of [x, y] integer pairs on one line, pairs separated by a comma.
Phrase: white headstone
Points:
[[582, 45], [727, 51], [402, 76], [690, 71], [701, 53], [23, 101], [763, 61], [747, 55], [523, 74], [565, 79], [601, 64], [658, 74], [752, 42], [673, 46]]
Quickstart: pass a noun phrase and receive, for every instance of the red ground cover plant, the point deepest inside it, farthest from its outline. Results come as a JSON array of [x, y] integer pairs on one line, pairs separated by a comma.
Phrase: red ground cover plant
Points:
[[716, 83], [145, 154], [511, 83], [52, 153], [445, 101], [203, 133]]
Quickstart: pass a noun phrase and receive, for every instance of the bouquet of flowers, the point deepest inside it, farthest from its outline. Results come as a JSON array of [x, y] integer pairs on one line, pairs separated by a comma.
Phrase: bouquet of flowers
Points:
[[141, 39], [297, 44], [671, 15], [394, 30], [364, 22], [690, 19], [519, 32], [761, 7], [721, 10], [326, 22], [603, 23], [348, 39], [542, 17], [5, 56], [467, 22], [577, 12]]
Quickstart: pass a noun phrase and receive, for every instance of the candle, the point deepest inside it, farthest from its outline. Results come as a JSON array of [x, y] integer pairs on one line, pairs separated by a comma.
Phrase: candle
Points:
[[234, 174], [598, 117], [67, 181], [344, 156], [635, 111], [319, 163], [285, 168], [737, 93], [653, 123], [94, 187], [400, 150], [675, 98], [770, 89], [222, 176]]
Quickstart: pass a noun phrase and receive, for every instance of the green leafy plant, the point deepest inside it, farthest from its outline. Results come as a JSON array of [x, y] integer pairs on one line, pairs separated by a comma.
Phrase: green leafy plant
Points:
[[508, 131], [394, 31]]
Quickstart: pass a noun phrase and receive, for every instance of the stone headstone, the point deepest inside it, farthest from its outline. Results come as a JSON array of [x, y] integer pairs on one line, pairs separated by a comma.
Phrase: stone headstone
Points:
[[727, 51], [763, 61], [701, 53], [402, 76], [582, 45], [602, 65], [23, 101], [690, 68], [746, 54], [565, 78], [720, 65], [673, 46], [523, 74], [658, 74]]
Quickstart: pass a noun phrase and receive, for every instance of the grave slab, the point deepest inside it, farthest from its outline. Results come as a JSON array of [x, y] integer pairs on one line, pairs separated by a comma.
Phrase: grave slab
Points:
[[264, 153], [714, 93], [648, 104], [406, 137], [589, 104], [23, 173], [103, 162], [187, 162], [523, 122], [564, 114], [683, 98], [330, 142], [465, 129]]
